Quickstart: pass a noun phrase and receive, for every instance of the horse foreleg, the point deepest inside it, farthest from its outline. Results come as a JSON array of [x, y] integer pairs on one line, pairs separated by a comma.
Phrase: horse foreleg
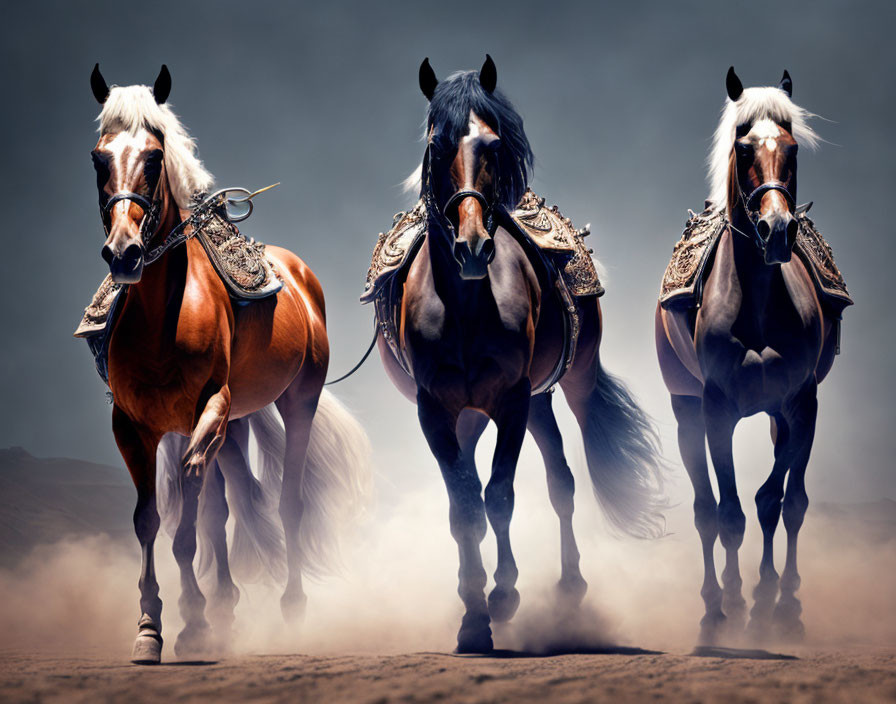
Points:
[[467, 517], [787, 612], [692, 446], [297, 407], [720, 420], [138, 448], [205, 440], [768, 507], [561, 489], [511, 417]]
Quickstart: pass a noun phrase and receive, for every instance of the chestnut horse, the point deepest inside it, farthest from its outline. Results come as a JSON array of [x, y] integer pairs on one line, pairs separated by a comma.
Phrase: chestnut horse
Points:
[[184, 358], [481, 328], [760, 342]]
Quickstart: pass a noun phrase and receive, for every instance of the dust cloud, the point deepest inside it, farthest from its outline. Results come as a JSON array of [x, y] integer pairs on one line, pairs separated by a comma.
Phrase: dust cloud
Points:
[[398, 593]]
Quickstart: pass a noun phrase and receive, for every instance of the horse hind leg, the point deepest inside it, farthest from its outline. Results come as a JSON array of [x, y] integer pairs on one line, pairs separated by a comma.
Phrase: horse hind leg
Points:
[[467, 518], [692, 446], [768, 507], [561, 489], [787, 612], [297, 406], [207, 437], [213, 514], [511, 418], [720, 420]]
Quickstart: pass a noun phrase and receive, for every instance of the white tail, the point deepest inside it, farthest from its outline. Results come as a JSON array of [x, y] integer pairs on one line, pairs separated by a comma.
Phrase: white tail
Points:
[[337, 486]]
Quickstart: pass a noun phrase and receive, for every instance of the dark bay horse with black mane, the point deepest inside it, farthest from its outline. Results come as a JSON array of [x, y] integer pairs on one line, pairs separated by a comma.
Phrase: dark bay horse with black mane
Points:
[[481, 328], [761, 341], [185, 358]]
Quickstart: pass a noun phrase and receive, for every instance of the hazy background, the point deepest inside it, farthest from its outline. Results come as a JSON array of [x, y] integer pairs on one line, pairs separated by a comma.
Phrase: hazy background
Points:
[[619, 100]]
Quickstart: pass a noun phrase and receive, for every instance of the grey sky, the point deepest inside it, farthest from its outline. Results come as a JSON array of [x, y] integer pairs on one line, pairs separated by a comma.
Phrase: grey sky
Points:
[[619, 101]]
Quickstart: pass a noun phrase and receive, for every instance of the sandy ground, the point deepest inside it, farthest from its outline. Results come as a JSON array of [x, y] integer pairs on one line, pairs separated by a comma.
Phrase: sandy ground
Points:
[[860, 674]]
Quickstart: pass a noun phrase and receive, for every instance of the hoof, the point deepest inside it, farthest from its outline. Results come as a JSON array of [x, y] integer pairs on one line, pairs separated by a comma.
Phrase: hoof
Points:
[[786, 618], [147, 650], [711, 626], [194, 642], [148, 646], [478, 643], [571, 590], [502, 604], [475, 635]]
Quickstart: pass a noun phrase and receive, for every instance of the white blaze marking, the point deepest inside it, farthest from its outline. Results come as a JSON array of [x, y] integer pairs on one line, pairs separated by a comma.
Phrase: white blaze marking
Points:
[[765, 132]]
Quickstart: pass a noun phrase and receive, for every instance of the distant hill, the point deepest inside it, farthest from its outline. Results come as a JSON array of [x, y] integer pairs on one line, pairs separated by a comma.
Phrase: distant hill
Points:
[[43, 499]]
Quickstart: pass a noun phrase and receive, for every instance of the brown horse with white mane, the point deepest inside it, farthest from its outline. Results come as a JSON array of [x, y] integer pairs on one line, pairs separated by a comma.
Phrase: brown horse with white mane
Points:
[[762, 340], [184, 358]]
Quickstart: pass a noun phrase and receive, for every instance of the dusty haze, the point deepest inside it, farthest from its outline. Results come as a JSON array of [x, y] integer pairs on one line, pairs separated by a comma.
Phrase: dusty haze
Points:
[[620, 102]]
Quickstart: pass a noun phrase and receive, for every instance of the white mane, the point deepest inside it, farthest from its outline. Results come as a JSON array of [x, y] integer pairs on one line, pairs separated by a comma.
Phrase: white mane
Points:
[[753, 105], [131, 108]]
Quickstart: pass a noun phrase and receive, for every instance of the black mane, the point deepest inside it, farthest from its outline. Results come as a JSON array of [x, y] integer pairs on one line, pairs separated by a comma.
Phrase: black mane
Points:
[[449, 115]]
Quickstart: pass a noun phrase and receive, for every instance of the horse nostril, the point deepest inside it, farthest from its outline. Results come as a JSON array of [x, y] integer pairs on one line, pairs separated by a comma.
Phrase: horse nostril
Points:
[[763, 229], [132, 254], [792, 228], [461, 251], [107, 254]]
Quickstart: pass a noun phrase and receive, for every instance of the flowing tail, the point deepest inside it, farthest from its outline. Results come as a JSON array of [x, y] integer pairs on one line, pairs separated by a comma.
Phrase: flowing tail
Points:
[[624, 460], [337, 487]]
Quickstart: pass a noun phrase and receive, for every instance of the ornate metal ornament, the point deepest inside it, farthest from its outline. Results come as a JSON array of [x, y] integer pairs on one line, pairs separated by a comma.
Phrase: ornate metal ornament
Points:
[[818, 256], [545, 227], [240, 263], [561, 246], [691, 257]]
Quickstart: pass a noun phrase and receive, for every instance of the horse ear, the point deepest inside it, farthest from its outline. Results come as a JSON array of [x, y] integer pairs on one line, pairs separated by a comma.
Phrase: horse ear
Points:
[[786, 84], [488, 75], [428, 80], [733, 85], [98, 85], [161, 89]]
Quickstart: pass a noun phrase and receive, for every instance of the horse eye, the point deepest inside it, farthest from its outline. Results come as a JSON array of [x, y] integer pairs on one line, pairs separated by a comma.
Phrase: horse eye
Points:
[[100, 161], [152, 167]]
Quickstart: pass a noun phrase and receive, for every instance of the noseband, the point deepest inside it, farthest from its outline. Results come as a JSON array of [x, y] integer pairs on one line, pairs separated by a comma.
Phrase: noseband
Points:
[[751, 205], [453, 206], [151, 211]]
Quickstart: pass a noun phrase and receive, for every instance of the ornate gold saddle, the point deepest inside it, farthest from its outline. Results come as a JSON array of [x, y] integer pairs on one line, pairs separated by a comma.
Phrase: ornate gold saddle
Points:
[[240, 263], [545, 227], [550, 235], [693, 254]]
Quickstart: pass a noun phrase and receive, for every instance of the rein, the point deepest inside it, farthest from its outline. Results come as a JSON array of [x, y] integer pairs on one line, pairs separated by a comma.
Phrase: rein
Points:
[[198, 218]]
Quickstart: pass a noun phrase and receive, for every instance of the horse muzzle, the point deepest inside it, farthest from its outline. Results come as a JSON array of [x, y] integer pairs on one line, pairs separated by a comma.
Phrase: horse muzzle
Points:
[[474, 261], [778, 232], [125, 265]]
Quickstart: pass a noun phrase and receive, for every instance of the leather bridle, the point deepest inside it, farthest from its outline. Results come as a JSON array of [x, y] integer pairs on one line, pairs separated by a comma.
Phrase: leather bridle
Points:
[[152, 209], [751, 206], [449, 213], [197, 219]]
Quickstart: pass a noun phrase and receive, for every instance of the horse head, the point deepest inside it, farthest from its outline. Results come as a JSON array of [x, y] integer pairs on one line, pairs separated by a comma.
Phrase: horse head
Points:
[[470, 173], [762, 176], [131, 178]]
